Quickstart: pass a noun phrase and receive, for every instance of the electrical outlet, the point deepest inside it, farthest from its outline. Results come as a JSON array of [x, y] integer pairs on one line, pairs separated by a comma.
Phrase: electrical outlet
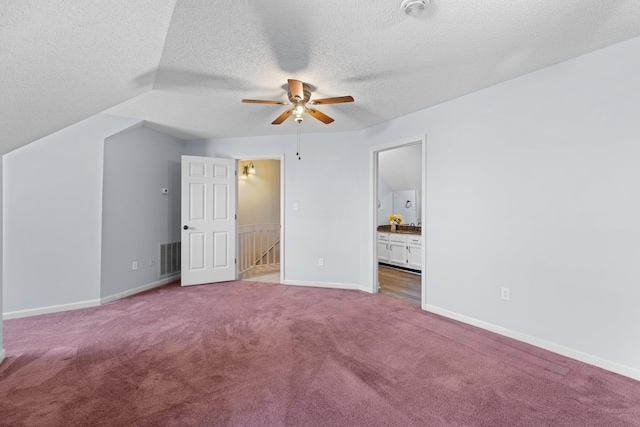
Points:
[[151, 262], [504, 292], [134, 265], [320, 261]]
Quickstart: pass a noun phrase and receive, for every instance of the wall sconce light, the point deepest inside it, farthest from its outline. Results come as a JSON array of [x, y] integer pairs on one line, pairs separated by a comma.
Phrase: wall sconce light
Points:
[[248, 169]]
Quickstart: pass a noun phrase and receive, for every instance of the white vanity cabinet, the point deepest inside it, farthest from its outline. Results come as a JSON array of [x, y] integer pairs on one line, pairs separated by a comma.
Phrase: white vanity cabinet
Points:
[[403, 250], [398, 249], [383, 247], [414, 252]]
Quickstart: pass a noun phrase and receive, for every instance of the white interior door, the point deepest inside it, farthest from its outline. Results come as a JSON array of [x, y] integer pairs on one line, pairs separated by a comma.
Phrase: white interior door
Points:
[[208, 220]]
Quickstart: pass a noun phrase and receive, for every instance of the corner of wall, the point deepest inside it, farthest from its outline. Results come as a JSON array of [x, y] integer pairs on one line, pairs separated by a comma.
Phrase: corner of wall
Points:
[[50, 176], [137, 217]]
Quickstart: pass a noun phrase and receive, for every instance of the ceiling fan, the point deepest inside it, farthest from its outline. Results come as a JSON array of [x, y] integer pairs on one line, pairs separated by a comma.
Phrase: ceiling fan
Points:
[[300, 98]]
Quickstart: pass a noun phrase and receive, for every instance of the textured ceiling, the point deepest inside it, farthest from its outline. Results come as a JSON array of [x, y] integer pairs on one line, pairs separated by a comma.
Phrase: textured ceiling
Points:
[[184, 65], [64, 61]]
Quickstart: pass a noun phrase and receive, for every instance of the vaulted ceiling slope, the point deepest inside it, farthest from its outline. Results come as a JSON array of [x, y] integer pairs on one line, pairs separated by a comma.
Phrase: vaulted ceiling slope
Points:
[[184, 65], [64, 61]]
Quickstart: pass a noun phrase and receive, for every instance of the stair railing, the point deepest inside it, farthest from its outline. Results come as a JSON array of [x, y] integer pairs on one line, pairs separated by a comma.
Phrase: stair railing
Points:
[[259, 244]]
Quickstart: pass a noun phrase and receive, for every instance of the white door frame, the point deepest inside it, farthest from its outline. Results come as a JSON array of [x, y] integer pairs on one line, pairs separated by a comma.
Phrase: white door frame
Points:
[[373, 208], [281, 157]]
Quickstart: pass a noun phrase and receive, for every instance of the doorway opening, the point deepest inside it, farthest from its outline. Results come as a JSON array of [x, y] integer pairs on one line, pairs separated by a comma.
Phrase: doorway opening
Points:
[[259, 220], [399, 216]]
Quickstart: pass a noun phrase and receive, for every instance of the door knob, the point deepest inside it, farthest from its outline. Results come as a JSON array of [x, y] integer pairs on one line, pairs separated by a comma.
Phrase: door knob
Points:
[[186, 227]]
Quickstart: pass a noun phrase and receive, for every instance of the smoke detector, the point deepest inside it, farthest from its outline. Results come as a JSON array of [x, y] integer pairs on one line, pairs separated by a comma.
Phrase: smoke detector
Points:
[[412, 7]]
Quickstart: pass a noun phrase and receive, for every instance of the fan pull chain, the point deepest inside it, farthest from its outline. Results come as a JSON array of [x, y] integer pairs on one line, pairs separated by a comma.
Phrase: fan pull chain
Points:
[[298, 134]]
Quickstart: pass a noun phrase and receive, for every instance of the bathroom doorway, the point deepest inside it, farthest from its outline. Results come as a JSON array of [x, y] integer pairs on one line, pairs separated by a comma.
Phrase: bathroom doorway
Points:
[[399, 198]]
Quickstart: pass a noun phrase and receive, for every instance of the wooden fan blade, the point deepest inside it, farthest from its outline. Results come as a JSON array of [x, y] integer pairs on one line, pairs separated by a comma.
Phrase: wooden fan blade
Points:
[[282, 117], [336, 100], [258, 101], [320, 116], [296, 88]]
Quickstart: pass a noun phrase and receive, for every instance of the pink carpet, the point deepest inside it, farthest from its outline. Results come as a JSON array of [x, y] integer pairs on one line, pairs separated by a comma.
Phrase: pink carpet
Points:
[[255, 354]]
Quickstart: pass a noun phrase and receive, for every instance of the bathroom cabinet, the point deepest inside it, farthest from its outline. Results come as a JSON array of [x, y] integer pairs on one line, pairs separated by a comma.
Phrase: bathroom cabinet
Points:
[[402, 250]]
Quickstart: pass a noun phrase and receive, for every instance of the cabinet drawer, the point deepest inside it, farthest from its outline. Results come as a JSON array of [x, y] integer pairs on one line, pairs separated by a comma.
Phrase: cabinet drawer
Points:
[[383, 236], [398, 238], [414, 240]]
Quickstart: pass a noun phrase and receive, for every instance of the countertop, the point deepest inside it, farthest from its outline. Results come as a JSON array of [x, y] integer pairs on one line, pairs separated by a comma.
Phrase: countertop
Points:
[[402, 229]]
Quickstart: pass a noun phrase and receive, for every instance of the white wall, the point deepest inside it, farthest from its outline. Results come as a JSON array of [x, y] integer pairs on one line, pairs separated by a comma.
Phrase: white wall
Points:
[[52, 217], [531, 185], [325, 184], [137, 217]]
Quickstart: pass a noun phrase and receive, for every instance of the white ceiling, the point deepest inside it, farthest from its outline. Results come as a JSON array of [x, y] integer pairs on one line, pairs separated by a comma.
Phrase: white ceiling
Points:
[[184, 65]]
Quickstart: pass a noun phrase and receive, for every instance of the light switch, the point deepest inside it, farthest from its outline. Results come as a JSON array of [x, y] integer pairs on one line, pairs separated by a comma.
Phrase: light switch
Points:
[[295, 206]]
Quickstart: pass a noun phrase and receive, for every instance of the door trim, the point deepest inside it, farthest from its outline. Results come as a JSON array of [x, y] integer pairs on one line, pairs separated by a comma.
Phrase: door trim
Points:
[[373, 209]]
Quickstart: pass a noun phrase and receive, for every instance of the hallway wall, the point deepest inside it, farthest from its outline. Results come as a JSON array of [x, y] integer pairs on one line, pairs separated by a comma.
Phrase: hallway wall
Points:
[[259, 194]]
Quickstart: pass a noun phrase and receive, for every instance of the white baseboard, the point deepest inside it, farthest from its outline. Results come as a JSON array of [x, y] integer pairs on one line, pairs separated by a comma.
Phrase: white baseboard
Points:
[[2, 356], [608, 365], [87, 304], [50, 309], [367, 289], [124, 294], [332, 285]]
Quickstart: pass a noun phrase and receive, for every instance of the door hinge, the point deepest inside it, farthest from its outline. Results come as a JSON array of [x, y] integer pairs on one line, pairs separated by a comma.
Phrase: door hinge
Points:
[[235, 261], [236, 217]]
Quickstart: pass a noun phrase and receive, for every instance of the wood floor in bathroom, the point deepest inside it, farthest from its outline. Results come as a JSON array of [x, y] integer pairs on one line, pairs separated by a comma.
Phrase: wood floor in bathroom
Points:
[[400, 284], [393, 282]]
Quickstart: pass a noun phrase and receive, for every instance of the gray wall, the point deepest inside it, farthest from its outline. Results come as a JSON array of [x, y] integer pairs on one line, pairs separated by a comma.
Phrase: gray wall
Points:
[[53, 216], [136, 216], [2, 352], [531, 184], [385, 197]]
